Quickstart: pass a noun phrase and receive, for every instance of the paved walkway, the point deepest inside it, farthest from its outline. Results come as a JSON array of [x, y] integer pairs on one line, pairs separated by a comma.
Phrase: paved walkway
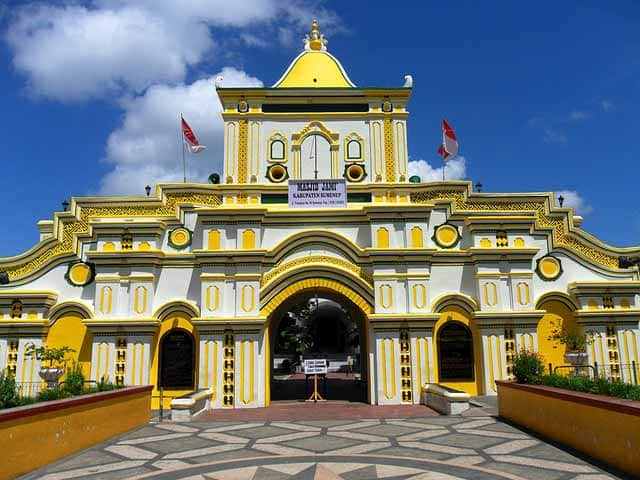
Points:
[[475, 446]]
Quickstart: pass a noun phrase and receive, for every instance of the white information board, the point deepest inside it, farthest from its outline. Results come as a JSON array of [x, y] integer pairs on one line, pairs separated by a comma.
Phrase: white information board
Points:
[[315, 366], [330, 193]]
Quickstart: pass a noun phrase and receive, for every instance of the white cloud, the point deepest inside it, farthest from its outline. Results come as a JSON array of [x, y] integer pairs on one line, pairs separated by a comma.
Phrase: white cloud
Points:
[[573, 199], [73, 53], [554, 136], [456, 170], [146, 148], [578, 115], [607, 105], [106, 48]]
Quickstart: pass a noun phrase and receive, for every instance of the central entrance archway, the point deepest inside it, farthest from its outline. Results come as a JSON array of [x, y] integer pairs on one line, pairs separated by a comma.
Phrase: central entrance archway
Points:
[[318, 321]]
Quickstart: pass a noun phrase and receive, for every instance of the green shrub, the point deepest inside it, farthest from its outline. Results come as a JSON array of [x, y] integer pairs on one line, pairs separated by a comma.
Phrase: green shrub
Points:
[[74, 382], [8, 392], [105, 386], [527, 366], [599, 386], [52, 394]]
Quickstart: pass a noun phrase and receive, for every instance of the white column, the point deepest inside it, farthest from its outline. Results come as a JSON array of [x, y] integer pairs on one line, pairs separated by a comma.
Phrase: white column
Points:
[[138, 360], [211, 366], [388, 360], [103, 354], [27, 368], [249, 371], [422, 361], [494, 358]]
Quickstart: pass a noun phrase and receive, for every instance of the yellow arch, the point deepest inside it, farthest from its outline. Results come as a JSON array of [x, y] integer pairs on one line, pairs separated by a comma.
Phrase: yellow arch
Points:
[[69, 308], [314, 237], [315, 128], [173, 307], [460, 300], [557, 296], [313, 284]]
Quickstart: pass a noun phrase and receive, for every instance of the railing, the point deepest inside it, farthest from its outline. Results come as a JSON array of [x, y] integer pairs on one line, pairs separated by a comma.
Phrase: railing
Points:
[[625, 372], [30, 389]]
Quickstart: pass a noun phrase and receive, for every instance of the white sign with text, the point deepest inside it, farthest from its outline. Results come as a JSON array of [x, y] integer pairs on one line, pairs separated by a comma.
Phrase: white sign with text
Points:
[[318, 193], [316, 366]]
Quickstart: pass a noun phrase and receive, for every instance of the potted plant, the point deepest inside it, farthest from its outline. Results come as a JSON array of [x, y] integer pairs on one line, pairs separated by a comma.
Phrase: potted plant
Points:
[[55, 357], [575, 341], [528, 366]]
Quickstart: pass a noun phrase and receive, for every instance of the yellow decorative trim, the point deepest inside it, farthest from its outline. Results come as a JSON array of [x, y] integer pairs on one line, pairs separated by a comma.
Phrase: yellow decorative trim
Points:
[[463, 203], [71, 227], [382, 238], [401, 149], [248, 239], [313, 284], [280, 137], [109, 247], [106, 295], [319, 259], [389, 294], [419, 296], [376, 150], [209, 305], [467, 303], [389, 160], [389, 393], [243, 140], [213, 240], [247, 293], [522, 293], [417, 237], [140, 304], [353, 136], [315, 128], [490, 294]]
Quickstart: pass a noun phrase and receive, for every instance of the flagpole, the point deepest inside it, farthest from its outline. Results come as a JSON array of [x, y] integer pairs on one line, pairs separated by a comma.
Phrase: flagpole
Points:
[[184, 162]]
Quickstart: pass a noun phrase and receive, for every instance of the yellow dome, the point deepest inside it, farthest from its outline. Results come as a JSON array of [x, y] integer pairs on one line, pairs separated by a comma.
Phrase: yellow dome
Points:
[[315, 67]]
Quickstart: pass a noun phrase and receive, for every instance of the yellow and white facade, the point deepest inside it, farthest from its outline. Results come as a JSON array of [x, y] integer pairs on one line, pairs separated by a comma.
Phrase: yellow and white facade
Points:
[[113, 276]]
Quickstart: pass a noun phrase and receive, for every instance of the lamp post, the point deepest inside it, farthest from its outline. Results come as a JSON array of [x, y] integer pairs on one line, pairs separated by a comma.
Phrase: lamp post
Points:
[[478, 187], [65, 205], [561, 200], [147, 189]]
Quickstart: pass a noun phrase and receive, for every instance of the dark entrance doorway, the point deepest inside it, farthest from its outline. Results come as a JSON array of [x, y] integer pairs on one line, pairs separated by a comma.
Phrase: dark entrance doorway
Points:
[[177, 354], [455, 353], [322, 326]]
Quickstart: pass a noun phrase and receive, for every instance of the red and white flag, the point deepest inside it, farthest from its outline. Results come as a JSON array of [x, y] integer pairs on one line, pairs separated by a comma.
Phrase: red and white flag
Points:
[[449, 147], [190, 140]]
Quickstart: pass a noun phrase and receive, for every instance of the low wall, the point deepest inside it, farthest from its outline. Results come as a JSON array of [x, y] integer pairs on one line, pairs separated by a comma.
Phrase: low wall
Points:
[[605, 428], [35, 435]]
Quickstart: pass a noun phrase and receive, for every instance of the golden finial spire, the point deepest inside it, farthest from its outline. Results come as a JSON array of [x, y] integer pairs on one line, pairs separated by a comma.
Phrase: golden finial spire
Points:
[[315, 40]]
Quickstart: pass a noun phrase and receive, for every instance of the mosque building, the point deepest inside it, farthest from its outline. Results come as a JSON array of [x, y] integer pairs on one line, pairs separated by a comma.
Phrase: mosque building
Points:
[[185, 288]]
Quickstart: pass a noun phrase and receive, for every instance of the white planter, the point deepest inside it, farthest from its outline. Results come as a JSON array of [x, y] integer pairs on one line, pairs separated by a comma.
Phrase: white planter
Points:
[[576, 358], [51, 375]]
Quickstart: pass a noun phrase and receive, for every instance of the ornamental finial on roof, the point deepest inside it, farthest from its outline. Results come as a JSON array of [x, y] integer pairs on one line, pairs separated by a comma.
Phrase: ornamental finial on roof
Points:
[[315, 40]]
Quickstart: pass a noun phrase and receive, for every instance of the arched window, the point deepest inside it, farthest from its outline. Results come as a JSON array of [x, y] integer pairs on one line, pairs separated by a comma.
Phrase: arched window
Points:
[[354, 150], [383, 238], [177, 365], [455, 352], [213, 240], [248, 239], [277, 150], [416, 237]]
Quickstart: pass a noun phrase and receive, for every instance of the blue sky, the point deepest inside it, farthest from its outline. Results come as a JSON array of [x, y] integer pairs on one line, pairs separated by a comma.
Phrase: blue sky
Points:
[[542, 97]]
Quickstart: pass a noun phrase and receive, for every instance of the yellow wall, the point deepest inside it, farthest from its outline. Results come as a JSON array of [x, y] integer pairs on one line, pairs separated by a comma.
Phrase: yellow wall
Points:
[[551, 350], [173, 321], [609, 436], [69, 331], [34, 441], [456, 314]]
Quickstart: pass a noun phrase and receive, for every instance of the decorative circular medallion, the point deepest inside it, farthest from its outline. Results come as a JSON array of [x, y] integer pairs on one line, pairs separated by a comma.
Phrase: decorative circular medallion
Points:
[[355, 172], [243, 106], [387, 106], [549, 267], [446, 235], [180, 237], [277, 173], [80, 274]]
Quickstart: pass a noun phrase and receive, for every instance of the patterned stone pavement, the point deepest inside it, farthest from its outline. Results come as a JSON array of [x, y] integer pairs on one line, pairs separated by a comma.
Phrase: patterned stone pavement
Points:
[[428, 448]]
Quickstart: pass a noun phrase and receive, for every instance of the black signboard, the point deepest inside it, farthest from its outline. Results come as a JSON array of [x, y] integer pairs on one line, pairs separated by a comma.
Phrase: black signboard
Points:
[[455, 352], [176, 360]]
